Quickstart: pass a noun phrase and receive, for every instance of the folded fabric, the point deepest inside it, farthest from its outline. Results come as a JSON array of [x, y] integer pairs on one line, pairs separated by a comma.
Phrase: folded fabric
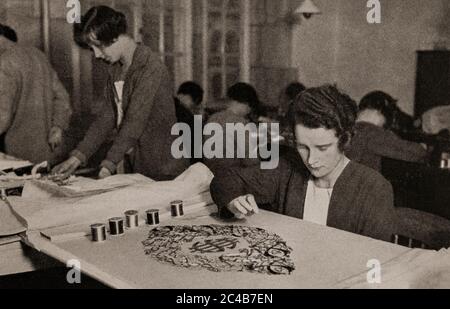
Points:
[[43, 208], [9, 224], [8, 162], [80, 186]]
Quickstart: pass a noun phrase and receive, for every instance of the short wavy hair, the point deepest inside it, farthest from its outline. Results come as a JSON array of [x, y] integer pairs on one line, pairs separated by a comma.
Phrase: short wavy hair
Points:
[[327, 107], [100, 26]]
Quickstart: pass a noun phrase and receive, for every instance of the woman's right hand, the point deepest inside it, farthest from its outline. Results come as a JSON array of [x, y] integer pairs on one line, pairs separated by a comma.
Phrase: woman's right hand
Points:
[[67, 168], [243, 206]]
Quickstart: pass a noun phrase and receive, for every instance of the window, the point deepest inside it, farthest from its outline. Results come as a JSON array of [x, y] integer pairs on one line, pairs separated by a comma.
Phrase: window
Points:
[[166, 28], [219, 44]]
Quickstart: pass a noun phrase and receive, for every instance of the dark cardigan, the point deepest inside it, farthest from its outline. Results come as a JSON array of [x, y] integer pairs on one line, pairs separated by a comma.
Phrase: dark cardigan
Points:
[[361, 203], [149, 114]]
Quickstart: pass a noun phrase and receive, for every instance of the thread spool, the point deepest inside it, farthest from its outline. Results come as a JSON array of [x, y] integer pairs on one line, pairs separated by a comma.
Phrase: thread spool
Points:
[[177, 208], [153, 217], [132, 219], [98, 232], [116, 226]]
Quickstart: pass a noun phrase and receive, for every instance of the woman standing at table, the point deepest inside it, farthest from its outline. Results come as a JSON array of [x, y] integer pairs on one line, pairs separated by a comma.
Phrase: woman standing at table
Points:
[[328, 189], [138, 102]]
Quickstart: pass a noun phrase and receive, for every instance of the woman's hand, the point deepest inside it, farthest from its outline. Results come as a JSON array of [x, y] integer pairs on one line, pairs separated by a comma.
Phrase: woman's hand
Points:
[[67, 168], [243, 206]]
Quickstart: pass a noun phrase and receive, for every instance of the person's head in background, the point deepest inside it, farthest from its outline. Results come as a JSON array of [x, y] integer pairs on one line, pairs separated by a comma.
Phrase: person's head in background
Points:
[[104, 31], [377, 108], [293, 90], [288, 96], [8, 33], [324, 121], [244, 100], [190, 95]]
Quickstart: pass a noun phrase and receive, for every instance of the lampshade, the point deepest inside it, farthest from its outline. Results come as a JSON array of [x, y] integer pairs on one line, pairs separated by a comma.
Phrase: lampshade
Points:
[[307, 8]]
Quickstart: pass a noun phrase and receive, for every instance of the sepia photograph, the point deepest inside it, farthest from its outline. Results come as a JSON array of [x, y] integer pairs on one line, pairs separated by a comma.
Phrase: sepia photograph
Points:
[[224, 151]]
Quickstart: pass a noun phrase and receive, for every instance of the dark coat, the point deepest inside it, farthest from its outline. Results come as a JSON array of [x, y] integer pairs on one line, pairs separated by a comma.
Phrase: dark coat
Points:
[[371, 143], [32, 101]]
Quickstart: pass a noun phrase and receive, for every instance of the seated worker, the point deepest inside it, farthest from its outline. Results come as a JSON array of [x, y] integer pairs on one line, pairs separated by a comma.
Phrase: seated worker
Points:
[[400, 122], [34, 105], [374, 140], [188, 103], [328, 189], [243, 105], [138, 102]]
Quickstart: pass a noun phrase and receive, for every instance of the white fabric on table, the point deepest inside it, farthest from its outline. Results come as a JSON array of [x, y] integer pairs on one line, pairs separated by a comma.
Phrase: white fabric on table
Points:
[[8, 162], [417, 269], [42, 209]]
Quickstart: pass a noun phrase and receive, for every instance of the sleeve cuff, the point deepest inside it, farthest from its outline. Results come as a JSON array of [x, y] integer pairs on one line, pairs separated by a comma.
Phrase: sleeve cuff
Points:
[[224, 213], [109, 165], [80, 156], [222, 198]]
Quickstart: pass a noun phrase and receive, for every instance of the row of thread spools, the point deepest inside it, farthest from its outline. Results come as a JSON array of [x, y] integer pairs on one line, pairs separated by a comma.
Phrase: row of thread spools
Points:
[[117, 225]]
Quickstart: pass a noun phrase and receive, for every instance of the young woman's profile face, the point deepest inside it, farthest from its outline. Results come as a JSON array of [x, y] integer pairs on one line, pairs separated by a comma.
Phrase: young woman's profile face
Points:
[[319, 149], [110, 54]]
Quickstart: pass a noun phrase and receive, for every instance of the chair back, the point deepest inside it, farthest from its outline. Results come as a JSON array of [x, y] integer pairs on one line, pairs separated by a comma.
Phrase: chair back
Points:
[[418, 229]]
